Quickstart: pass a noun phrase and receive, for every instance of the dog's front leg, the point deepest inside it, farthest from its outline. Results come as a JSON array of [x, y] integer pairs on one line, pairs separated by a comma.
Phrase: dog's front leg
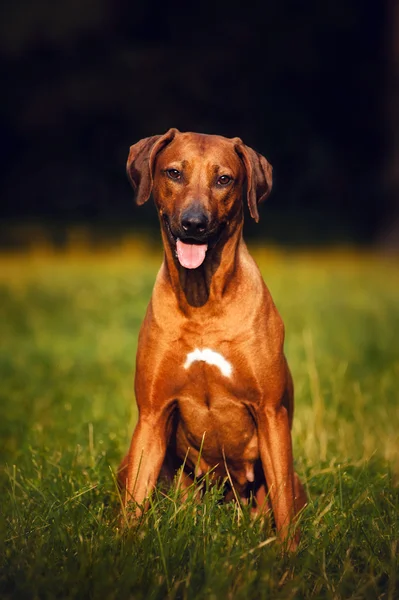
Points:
[[276, 455], [145, 459]]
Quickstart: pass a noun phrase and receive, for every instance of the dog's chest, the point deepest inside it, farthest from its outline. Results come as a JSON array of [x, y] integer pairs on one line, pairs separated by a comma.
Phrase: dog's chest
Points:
[[213, 390], [205, 372], [211, 357]]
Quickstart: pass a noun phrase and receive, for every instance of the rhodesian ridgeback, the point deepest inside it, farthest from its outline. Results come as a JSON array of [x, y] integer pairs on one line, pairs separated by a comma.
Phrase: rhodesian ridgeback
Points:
[[213, 388]]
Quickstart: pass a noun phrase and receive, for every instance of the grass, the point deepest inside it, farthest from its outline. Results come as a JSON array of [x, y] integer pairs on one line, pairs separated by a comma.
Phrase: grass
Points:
[[68, 340]]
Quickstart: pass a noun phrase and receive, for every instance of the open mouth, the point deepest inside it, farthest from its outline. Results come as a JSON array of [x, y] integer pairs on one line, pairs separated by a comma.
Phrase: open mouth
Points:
[[191, 252], [190, 256]]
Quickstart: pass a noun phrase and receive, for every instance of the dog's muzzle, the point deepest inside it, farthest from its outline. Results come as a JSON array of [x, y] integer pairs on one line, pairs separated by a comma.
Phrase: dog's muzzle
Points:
[[192, 237], [192, 244], [194, 223]]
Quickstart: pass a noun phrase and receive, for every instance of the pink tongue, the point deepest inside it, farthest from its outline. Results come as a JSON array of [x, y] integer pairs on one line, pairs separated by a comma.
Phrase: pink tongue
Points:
[[191, 256]]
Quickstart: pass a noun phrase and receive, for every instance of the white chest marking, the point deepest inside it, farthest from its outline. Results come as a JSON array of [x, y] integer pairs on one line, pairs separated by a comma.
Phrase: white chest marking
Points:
[[212, 358]]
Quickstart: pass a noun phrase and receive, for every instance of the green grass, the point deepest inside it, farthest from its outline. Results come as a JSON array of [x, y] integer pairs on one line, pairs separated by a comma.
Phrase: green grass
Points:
[[68, 339]]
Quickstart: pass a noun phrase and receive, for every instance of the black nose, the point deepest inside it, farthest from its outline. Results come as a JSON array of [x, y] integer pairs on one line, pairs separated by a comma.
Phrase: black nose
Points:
[[194, 222]]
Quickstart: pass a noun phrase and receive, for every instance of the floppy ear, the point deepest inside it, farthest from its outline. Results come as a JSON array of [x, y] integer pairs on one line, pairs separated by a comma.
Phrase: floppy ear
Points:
[[259, 176], [140, 163]]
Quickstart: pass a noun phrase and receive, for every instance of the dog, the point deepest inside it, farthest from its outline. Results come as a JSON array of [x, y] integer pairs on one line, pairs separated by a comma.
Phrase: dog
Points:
[[213, 388]]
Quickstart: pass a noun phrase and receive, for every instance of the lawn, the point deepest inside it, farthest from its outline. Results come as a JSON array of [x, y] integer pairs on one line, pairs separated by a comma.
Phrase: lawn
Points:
[[68, 334]]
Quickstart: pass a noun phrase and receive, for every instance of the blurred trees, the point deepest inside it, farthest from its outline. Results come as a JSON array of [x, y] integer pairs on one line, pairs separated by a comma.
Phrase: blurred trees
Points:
[[389, 235], [304, 85]]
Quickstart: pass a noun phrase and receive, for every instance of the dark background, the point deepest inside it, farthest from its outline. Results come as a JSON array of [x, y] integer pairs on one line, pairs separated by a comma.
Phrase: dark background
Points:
[[311, 85]]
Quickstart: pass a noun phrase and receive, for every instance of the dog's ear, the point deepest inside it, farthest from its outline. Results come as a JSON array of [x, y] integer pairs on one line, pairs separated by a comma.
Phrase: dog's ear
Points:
[[259, 176], [140, 163]]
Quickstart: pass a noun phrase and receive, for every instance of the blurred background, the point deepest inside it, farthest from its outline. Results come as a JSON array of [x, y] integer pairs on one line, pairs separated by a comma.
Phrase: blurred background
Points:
[[313, 86]]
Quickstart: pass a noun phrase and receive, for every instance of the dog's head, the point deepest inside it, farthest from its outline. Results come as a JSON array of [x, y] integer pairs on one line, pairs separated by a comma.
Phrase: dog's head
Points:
[[197, 182]]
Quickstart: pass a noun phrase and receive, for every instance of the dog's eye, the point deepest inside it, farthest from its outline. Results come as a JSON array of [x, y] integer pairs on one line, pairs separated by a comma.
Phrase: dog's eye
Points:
[[224, 180], [173, 173]]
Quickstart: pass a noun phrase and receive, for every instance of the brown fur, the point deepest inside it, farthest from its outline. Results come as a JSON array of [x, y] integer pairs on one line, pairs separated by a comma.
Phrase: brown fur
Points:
[[243, 421]]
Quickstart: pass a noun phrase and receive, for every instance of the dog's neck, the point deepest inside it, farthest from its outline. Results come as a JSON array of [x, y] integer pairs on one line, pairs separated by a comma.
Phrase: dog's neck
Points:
[[194, 287]]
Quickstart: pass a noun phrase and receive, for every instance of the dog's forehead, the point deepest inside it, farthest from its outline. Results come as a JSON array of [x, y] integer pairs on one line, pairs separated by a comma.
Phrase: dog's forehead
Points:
[[194, 147]]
